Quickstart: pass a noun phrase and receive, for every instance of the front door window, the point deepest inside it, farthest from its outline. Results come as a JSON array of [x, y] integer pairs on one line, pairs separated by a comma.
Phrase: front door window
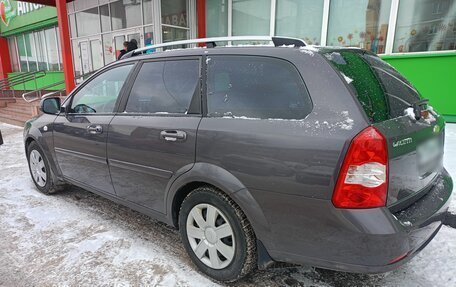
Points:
[[100, 94]]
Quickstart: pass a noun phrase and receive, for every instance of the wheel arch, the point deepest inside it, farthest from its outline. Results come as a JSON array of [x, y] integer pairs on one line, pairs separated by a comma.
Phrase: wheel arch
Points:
[[48, 153], [27, 143], [205, 174]]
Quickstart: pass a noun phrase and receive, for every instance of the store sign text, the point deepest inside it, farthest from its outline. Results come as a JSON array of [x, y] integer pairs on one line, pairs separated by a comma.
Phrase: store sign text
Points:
[[175, 19], [24, 7]]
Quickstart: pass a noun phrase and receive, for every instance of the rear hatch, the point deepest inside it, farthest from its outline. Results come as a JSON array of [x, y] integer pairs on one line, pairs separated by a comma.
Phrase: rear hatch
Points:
[[413, 129]]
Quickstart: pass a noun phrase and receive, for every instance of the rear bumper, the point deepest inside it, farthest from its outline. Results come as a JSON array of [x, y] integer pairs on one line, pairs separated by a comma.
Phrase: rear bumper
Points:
[[365, 241]]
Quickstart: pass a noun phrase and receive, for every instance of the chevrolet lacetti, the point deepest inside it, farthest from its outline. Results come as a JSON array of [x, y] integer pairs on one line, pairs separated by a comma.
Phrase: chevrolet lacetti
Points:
[[282, 152]]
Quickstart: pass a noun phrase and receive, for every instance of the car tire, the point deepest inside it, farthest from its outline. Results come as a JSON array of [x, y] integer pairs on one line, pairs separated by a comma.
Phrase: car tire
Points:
[[39, 170], [217, 235]]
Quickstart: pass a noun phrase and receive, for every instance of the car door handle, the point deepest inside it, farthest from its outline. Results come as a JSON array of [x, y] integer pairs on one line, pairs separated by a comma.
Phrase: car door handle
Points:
[[95, 129], [173, 136]]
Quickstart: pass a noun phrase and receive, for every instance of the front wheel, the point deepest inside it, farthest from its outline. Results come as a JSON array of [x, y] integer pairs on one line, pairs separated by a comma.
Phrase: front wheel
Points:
[[216, 234], [40, 171]]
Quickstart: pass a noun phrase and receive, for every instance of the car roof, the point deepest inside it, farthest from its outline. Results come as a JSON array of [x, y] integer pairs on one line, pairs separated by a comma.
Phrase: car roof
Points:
[[260, 50]]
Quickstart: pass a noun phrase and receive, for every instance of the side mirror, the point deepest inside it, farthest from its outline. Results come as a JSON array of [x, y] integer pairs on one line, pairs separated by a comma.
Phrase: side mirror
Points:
[[50, 105]]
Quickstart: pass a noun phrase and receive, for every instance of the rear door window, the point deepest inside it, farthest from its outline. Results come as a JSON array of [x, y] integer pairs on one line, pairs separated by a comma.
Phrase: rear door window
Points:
[[165, 87], [255, 87]]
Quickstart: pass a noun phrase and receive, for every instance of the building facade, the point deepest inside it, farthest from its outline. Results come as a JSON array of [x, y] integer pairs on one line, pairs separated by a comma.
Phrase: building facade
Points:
[[100, 27], [31, 33], [418, 37]]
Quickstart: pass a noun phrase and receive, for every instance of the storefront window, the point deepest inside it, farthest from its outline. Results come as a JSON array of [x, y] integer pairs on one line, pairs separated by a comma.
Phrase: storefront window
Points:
[[52, 49], [251, 17], [174, 15], [424, 25], [105, 20], [300, 18], [22, 53], [108, 50], [96, 53], [13, 54], [84, 4], [174, 34], [125, 15], [147, 11], [148, 36], [359, 23], [216, 18], [72, 20], [38, 50], [58, 44], [76, 60], [88, 22], [31, 52], [174, 12]]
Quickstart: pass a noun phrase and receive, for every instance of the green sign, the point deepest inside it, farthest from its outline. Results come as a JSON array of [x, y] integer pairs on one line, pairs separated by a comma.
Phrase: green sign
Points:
[[19, 17]]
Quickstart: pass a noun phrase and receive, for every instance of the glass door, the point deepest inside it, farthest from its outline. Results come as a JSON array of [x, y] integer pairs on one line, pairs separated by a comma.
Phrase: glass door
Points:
[[84, 56], [90, 55], [129, 35], [118, 44], [96, 54], [136, 37]]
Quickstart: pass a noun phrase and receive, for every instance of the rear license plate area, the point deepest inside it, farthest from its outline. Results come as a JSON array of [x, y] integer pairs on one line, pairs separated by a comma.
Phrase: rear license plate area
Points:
[[429, 156]]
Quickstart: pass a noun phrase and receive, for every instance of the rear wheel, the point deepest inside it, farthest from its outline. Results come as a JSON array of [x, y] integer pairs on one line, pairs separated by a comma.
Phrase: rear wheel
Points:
[[217, 235], [40, 171]]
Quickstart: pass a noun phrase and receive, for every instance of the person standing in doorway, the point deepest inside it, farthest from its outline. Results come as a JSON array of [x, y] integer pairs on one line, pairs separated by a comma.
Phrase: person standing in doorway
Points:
[[132, 45], [124, 50]]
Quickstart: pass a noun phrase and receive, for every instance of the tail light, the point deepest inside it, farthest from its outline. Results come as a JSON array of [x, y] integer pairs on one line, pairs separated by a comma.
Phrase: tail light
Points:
[[363, 179]]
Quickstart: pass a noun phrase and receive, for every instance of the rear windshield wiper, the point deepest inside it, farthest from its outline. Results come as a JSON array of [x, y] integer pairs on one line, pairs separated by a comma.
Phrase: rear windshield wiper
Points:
[[420, 106]]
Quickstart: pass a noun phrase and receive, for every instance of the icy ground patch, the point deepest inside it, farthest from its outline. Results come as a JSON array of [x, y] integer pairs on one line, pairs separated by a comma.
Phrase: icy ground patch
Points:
[[76, 238]]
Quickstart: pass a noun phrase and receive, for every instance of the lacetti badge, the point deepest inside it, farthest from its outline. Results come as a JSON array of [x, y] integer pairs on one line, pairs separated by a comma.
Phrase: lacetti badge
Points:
[[403, 142], [7, 11]]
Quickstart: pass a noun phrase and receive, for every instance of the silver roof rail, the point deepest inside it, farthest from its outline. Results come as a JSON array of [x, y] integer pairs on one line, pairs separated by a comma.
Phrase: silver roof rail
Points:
[[277, 41]]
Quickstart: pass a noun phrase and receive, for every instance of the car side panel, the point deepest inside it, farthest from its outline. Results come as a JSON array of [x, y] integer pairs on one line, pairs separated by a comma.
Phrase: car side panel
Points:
[[141, 162], [287, 157]]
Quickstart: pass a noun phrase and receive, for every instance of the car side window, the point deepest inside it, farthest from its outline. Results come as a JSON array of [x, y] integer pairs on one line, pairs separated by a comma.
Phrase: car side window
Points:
[[101, 93], [255, 87], [164, 87]]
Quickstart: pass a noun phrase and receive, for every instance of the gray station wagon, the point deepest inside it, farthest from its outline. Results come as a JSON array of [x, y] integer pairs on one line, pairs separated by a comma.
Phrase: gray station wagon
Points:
[[286, 152]]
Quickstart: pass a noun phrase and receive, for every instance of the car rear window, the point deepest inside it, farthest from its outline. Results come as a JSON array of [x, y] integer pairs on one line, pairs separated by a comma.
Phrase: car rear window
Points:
[[255, 87], [380, 89]]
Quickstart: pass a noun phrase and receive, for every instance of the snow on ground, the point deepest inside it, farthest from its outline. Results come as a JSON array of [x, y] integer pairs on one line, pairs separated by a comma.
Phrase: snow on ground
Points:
[[77, 238]]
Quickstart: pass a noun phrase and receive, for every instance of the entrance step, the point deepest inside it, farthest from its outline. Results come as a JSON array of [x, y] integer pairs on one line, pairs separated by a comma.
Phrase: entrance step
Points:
[[17, 111]]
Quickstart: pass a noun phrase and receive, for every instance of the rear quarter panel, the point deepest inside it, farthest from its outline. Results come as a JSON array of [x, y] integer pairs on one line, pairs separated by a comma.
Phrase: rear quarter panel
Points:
[[289, 157]]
